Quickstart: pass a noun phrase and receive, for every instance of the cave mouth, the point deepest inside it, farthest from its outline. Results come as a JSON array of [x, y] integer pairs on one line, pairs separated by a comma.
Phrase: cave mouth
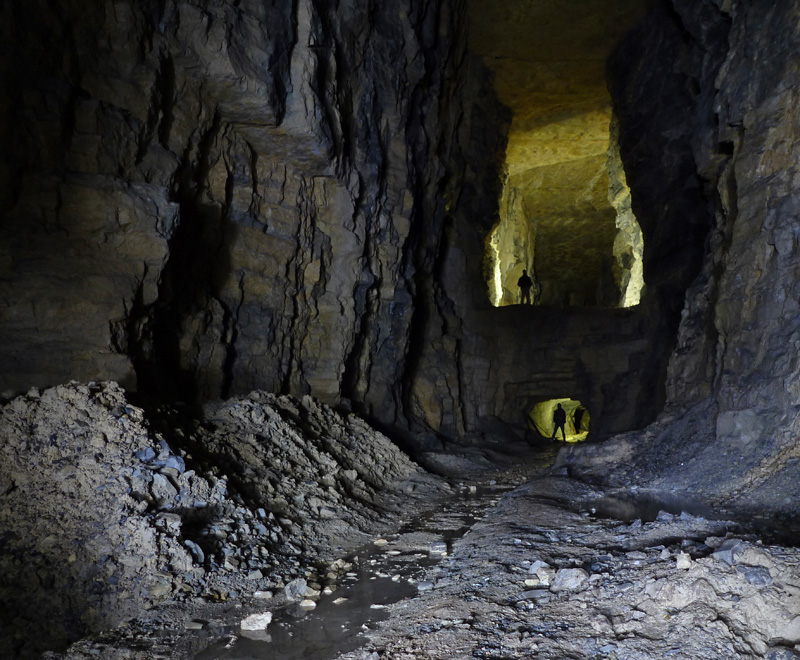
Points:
[[540, 419], [564, 214]]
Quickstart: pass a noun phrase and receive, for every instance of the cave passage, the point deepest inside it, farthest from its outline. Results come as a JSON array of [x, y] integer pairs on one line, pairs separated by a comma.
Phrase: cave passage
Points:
[[565, 212], [577, 426]]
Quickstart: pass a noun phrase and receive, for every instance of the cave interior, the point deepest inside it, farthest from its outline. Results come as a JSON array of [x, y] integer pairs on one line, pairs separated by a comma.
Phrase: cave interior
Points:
[[326, 206]]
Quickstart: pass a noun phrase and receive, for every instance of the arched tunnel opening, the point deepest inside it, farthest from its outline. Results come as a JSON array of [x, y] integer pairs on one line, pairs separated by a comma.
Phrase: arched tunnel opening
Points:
[[542, 420], [565, 214]]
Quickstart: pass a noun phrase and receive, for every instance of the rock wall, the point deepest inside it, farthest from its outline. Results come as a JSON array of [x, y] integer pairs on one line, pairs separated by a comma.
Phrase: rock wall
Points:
[[204, 198], [735, 367]]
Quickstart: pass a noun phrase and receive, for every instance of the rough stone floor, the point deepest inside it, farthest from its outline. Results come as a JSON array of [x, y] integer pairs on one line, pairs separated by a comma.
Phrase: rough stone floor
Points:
[[540, 576]]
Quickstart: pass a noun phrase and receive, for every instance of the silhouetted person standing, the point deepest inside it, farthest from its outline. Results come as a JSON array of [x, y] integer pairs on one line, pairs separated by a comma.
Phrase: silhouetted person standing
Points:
[[525, 283], [559, 420]]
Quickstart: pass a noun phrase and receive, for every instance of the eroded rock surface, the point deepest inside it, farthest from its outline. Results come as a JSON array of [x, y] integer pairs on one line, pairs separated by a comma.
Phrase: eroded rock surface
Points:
[[536, 578], [204, 199], [729, 432]]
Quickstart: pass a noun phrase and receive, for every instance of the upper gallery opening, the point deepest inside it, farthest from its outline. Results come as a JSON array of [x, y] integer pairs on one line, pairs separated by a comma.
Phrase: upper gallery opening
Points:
[[565, 215]]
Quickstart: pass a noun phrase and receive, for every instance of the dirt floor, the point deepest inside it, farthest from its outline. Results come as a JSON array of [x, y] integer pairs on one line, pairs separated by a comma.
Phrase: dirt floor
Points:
[[541, 577]]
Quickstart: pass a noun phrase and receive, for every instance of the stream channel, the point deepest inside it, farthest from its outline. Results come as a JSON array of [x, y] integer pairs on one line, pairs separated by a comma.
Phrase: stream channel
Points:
[[390, 570]]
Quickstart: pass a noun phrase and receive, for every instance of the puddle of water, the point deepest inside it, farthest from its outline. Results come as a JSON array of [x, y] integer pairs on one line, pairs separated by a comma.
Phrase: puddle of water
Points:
[[646, 507], [383, 575], [330, 628]]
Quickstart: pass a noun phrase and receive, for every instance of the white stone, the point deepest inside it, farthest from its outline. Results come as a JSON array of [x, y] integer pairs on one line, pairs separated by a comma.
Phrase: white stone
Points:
[[569, 579], [256, 621]]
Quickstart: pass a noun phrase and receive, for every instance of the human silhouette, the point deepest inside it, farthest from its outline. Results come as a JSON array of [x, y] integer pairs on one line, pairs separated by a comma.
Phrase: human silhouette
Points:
[[525, 283], [578, 418], [559, 420]]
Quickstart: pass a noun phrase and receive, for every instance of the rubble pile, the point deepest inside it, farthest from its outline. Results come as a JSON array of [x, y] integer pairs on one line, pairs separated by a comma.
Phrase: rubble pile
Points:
[[101, 517]]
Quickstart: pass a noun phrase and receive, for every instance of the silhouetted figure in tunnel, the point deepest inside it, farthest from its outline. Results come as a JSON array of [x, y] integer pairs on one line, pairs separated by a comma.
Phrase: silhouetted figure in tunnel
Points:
[[578, 419], [559, 421], [525, 283]]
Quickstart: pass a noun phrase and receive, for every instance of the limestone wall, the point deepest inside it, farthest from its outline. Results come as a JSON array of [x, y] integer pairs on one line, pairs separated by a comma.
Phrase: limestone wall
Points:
[[731, 426], [202, 198], [198, 200]]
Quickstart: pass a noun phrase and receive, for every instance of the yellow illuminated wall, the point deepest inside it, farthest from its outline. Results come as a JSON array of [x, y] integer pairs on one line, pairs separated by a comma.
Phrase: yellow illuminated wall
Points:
[[584, 200]]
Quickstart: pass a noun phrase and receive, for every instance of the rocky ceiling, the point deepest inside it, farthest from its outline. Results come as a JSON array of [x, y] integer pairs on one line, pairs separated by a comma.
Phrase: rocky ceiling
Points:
[[549, 61]]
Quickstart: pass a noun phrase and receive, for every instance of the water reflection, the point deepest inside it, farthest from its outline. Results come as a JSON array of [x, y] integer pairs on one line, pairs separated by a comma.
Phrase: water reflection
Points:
[[380, 576]]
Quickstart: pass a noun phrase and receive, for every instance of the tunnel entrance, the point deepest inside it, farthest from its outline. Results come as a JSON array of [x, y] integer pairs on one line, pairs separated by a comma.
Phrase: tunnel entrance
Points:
[[565, 215], [540, 419], [568, 224]]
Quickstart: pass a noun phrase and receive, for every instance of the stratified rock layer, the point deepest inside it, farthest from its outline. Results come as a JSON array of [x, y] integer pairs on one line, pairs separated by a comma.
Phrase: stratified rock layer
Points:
[[204, 199], [201, 200], [730, 431]]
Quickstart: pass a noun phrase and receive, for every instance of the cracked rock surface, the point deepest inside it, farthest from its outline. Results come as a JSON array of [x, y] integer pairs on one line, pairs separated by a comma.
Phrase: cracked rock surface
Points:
[[538, 577]]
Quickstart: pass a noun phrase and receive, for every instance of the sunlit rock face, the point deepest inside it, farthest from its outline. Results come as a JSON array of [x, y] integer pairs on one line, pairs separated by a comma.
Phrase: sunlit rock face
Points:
[[200, 200], [557, 222]]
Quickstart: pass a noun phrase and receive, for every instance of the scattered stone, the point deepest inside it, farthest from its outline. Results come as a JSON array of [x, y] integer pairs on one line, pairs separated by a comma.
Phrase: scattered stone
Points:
[[438, 548], [535, 566], [782, 654], [569, 579], [256, 621], [729, 551], [683, 561], [758, 576], [148, 529], [194, 625], [545, 575], [296, 589], [197, 552]]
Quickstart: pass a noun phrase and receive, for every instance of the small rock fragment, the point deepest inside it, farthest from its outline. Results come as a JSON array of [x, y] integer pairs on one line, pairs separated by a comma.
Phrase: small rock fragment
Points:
[[569, 579], [758, 576], [296, 589], [729, 551], [256, 621]]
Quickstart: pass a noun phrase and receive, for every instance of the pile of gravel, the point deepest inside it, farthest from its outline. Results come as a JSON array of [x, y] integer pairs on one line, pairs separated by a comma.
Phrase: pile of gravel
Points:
[[101, 516]]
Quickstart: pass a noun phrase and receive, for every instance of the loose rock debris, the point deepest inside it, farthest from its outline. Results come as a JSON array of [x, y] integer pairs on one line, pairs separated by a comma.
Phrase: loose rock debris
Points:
[[102, 517], [220, 527], [538, 579]]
